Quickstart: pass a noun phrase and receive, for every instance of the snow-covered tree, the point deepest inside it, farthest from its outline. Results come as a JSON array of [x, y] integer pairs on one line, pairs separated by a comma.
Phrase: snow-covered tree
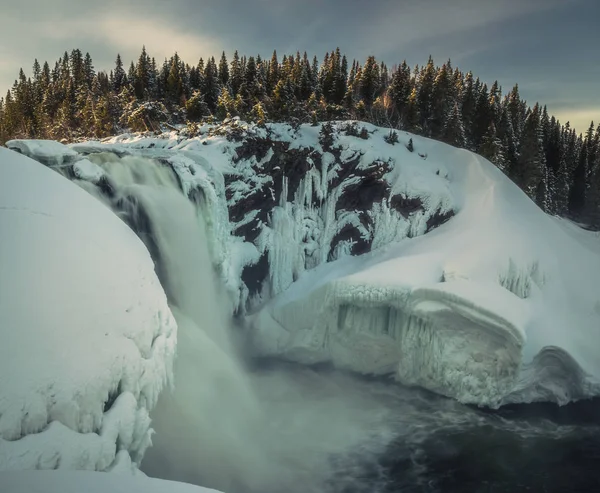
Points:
[[453, 132]]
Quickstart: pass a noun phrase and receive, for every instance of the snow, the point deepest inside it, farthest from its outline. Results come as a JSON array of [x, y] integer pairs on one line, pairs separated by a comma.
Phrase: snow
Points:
[[48, 152], [474, 309], [88, 171], [89, 482], [88, 339]]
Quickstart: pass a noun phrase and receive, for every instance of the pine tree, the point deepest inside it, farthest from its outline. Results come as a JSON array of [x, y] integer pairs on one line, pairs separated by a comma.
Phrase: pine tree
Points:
[[426, 80], [119, 76], [453, 132], [441, 103], [305, 85], [482, 117], [515, 110], [77, 69], [593, 203], [469, 105], [578, 192], [142, 75], [174, 86], [225, 105], [399, 91], [195, 107], [341, 81], [223, 70], [492, 149], [236, 74], [250, 89], [413, 118], [212, 87], [88, 71], [369, 83], [531, 163]]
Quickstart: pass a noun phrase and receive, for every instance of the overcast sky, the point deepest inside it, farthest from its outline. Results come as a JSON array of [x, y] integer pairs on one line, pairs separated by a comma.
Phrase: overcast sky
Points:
[[550, 47]]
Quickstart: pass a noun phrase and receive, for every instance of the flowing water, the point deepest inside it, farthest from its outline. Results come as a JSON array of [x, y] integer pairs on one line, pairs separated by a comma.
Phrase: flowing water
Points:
[[272, 427]]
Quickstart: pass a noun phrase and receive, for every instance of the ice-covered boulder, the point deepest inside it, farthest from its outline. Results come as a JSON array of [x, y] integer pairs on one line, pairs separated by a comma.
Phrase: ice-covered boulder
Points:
[[87, 339], [48, 152]]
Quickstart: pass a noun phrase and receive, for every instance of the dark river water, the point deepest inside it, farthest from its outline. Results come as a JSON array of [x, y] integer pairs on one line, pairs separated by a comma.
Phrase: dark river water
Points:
[[338, 433]]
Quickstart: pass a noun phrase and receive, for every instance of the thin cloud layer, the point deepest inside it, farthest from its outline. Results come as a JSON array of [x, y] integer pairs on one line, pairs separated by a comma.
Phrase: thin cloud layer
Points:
[[508, 40]]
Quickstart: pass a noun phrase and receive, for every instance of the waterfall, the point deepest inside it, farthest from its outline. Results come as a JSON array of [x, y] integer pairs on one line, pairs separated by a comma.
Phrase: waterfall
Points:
[[222, 426], [205, 427]]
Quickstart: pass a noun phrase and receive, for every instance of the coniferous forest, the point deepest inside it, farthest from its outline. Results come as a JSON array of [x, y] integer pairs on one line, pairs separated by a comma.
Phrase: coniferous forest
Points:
[[554, 165]]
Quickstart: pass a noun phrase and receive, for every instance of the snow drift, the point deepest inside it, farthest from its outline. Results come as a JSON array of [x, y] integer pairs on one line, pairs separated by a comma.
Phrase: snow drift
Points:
[[88, 339]]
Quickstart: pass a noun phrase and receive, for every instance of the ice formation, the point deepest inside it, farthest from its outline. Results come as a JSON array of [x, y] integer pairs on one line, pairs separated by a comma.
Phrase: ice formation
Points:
[[429, 265], [88, 339]]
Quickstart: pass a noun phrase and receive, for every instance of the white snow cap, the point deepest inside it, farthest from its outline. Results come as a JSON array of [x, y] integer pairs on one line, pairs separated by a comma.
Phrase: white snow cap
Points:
[[88, 339], [49, 152]]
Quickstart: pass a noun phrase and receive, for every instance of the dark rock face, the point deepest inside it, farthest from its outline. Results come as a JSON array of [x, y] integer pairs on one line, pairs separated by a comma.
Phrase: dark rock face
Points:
[[334, 195], [438, 219], [349, 232], [357, 186], [406, 206], [253, 276]]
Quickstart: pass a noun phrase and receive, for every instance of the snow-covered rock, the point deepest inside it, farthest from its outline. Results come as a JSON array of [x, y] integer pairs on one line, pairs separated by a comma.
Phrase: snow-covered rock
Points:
[[88, 482], [428, 265], [498, 305], [48, 152], [87, 337]]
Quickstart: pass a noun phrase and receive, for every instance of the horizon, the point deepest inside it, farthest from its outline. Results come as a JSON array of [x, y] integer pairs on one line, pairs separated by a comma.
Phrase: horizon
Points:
[[508, 42]]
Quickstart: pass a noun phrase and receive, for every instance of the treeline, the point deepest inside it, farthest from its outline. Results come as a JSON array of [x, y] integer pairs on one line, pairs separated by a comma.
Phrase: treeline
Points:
[[555, 166]]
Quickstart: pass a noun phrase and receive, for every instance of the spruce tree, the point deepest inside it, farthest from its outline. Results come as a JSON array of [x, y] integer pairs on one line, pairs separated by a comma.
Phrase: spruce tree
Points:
[[491, 147], [453, 132], [119, 75], [399, 91], [441, 103], [578, 192], [273, 75], [223, 70], [142, 75], [212, 87], [174, 86], [482, 117], [236, 75], [369, 81], [88, 71], [531, 163], [426, 80]]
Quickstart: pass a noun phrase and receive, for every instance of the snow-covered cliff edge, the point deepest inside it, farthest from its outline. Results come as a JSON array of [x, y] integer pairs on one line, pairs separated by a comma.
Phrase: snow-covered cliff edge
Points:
[[431, 266]]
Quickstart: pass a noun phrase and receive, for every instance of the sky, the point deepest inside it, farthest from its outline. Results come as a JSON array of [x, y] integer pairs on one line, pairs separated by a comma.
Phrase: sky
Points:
[[551, 48]]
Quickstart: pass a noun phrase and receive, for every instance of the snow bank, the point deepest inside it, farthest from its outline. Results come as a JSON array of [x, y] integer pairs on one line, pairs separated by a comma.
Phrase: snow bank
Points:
[[90, 482], [88, 339], [49, 152]]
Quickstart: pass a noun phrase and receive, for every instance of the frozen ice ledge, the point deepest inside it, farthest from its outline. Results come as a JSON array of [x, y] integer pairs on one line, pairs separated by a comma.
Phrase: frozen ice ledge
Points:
[[429, 266]]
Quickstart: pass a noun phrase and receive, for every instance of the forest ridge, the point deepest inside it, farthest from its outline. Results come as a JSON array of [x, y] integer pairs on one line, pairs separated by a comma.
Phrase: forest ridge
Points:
[[556, 167]]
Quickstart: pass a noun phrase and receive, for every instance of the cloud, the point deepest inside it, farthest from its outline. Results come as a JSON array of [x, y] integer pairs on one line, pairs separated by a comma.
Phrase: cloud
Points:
[[47, 35], [579, 118], [398, 24], [127, 34]]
